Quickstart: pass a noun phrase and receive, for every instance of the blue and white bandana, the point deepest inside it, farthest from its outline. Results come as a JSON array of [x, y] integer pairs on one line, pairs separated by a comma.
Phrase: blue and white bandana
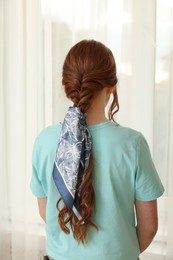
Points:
[[72, 157]]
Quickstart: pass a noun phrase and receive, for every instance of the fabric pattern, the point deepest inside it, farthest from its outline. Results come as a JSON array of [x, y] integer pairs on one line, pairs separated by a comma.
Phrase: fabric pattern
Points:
[[72, 157]]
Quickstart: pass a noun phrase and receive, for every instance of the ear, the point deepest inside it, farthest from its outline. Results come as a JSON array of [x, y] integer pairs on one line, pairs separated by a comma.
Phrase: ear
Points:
[[109, 90]]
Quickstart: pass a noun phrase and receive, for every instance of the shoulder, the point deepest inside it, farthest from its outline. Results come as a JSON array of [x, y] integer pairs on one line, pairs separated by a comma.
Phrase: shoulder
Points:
[[129, 132], [125, 134], [47, 138], [48, 133], [116, 137]]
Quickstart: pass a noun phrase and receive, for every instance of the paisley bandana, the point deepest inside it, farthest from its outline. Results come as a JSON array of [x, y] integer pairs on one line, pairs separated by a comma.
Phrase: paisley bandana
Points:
[[72, 157]]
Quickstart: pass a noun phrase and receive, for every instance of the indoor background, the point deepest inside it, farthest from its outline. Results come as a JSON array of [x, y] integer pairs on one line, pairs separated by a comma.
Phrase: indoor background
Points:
[[35, 36]]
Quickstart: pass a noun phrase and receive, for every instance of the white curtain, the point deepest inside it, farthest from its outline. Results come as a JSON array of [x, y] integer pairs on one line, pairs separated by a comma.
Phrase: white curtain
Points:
[[35, 36]]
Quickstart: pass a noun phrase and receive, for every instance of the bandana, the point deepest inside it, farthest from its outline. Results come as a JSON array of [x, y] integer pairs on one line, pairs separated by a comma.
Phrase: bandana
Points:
[[72, 157]]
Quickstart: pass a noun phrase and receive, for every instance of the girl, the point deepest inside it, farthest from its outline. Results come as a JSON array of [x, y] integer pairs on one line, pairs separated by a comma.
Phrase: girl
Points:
[[92, 176]]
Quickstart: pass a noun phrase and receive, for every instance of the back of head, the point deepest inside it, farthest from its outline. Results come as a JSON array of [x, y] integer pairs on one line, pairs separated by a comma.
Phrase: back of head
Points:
[[88, 68]]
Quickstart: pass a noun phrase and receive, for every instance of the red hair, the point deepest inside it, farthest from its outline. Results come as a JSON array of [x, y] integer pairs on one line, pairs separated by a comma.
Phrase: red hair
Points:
[[88, 68]]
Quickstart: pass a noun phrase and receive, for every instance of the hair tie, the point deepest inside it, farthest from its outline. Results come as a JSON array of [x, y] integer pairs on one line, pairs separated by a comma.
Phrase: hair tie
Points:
[[72, 157]]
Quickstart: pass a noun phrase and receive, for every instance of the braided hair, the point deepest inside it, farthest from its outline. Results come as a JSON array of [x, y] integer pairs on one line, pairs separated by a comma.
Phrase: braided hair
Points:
[[88, 68]]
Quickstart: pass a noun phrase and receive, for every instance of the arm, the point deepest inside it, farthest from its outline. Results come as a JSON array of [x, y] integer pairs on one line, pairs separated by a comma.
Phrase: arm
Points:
[[42, 207], [147, 222]]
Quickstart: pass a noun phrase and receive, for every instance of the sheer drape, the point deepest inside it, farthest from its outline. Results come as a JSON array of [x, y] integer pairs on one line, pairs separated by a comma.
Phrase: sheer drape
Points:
[[23, 114], [163, 119], [35, 36]]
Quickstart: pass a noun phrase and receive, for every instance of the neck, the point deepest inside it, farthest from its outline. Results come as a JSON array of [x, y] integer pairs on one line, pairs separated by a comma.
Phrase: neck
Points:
[[95, 116], [96, 112]]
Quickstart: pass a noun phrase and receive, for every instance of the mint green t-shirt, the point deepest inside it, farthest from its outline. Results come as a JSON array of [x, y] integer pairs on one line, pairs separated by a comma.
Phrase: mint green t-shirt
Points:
[[123, 172]]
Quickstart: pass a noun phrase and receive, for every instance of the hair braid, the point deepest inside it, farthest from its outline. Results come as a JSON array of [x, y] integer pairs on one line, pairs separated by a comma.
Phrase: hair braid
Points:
[[81, 97], [88, 68]]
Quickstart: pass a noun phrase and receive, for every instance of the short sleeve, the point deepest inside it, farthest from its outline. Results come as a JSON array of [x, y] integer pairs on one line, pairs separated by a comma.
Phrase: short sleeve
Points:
[[148, 183], [35, 183]]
